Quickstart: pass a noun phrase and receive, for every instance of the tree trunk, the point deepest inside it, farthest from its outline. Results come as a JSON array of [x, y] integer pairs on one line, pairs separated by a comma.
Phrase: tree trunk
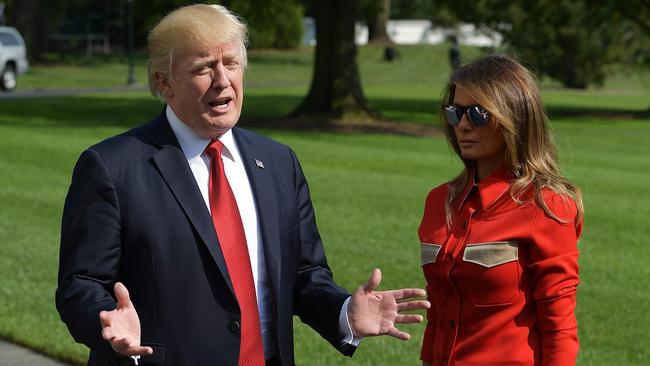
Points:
[[377, 31], [26, 16], [335, 90]]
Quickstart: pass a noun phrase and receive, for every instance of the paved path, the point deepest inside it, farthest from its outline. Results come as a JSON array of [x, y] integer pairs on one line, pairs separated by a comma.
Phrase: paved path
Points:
[[34, 93], [12, 355]]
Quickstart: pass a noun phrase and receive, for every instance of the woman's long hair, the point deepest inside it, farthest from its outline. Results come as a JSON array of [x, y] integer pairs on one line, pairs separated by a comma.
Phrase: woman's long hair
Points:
[[509, 93]]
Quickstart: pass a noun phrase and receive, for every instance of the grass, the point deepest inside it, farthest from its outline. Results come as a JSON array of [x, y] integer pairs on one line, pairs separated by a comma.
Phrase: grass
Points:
[[368, 191]]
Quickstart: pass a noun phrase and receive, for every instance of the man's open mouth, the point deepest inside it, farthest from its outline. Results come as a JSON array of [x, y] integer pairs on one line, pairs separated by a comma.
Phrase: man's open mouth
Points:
[[220, 103]]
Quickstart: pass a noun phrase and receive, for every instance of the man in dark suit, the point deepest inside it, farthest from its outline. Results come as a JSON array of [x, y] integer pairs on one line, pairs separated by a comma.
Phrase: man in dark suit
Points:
[[209, 226]]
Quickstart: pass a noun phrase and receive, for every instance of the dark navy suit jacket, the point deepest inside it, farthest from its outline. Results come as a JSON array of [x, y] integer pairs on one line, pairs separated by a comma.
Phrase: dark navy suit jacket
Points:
[[134, 214]]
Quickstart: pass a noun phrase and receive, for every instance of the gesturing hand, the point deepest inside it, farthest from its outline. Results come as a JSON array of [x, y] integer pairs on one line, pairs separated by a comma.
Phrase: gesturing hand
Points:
[[373, 313], [121, 327]]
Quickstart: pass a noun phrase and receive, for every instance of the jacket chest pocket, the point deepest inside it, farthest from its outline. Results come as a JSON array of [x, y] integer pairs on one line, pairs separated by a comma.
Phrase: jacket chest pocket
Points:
[[492, 272]]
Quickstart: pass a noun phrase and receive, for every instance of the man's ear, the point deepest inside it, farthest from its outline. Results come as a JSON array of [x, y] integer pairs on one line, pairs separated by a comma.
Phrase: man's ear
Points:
[[162, 83]]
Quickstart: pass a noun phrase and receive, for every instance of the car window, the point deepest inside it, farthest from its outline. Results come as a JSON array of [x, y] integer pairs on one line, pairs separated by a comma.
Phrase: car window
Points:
[[8, 39]]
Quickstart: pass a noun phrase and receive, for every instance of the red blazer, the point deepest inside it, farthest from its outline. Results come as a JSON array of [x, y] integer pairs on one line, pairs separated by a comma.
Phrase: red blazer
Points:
[[501, 280]]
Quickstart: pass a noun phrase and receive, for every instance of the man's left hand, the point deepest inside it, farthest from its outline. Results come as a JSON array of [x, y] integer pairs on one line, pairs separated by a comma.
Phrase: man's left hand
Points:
[[374, 313]]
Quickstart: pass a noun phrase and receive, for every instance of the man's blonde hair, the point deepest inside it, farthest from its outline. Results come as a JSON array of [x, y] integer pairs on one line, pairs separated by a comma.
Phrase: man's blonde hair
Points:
[[191, 26]]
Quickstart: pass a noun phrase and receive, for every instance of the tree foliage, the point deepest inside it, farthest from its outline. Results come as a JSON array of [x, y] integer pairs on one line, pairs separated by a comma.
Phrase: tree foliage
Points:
[[637, 11], [568, 40], [35, 20], [412, 9], [272, 23]]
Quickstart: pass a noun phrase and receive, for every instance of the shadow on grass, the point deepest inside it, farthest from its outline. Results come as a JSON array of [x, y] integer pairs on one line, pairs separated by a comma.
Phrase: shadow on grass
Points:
[[604, 113], [260, 111], [280, 58], [81, 111], [411, 105], [401, 116]]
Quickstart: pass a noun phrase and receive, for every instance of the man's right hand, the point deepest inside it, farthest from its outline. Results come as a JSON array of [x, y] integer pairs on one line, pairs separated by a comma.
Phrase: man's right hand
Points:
[[121, 327]]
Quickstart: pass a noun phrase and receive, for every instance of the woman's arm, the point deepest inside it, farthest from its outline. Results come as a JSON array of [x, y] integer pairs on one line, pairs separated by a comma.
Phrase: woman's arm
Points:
[[554, 257]]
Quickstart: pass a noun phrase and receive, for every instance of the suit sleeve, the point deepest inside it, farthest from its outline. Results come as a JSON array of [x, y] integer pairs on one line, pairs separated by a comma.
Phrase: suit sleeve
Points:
[[554, 256], [317, 298], [90, 251]]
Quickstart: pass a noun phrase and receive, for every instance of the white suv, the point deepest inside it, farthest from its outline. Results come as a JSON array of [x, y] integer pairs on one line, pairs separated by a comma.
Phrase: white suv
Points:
[[13, 57]]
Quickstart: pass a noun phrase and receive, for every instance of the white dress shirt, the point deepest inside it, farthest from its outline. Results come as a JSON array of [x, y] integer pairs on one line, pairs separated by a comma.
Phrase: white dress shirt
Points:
[[193, 147]]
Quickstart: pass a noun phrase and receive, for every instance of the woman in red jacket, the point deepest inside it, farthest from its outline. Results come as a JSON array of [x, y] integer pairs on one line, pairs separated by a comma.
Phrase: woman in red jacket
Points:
[[499, 249]]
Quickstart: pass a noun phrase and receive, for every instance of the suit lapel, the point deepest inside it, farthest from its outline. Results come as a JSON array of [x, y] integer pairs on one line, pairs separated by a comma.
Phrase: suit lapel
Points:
[[260, 176], [175, 171]]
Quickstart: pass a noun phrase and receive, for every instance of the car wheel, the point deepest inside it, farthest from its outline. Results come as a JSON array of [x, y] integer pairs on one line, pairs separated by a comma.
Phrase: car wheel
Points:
[[8, 79]]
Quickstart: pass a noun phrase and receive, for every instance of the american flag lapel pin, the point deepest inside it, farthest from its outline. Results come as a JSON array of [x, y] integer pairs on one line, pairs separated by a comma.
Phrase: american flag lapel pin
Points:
[[259, 164]]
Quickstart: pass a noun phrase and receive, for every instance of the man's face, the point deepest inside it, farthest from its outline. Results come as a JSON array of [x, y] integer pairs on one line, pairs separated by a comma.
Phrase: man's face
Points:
[[206, 88]]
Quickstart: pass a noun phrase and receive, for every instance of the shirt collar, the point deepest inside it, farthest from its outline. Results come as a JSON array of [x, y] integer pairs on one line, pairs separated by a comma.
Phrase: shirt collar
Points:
[[192, 144], [490, 189]]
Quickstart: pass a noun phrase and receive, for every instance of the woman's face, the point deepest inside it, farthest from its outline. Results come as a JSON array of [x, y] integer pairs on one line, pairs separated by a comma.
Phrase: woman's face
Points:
[[484, 144]]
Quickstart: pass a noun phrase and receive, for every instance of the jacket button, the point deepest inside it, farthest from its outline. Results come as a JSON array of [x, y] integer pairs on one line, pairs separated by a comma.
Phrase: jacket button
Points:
[[452, 324], [464, 225], [233, 326]]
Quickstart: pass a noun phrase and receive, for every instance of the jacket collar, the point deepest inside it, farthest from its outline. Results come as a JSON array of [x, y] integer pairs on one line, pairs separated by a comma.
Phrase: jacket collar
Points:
[[194, 145], [490, 189]]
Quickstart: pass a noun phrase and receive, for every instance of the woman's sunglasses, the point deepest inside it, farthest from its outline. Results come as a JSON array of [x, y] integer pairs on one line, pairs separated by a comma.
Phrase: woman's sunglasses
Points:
[[476, 114]]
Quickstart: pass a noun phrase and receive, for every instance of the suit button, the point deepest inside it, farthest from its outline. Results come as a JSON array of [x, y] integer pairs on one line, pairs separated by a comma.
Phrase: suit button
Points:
[[233, 326]]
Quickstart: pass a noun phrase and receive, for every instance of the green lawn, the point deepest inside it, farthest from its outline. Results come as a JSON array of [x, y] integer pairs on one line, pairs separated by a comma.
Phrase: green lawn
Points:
[[368, 191]]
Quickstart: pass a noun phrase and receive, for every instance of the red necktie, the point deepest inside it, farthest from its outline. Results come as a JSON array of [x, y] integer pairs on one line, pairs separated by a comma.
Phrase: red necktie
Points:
[[230, 231]]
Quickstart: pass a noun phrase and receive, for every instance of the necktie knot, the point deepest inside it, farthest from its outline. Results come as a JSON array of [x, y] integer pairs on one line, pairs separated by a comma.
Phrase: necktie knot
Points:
[[214, 148]]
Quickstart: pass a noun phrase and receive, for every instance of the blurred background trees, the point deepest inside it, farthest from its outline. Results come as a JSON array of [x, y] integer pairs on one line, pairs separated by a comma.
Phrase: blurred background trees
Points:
[[568, 40], [272, 23], [376, 14], [66, 26], [335, 90], [571, 41]]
